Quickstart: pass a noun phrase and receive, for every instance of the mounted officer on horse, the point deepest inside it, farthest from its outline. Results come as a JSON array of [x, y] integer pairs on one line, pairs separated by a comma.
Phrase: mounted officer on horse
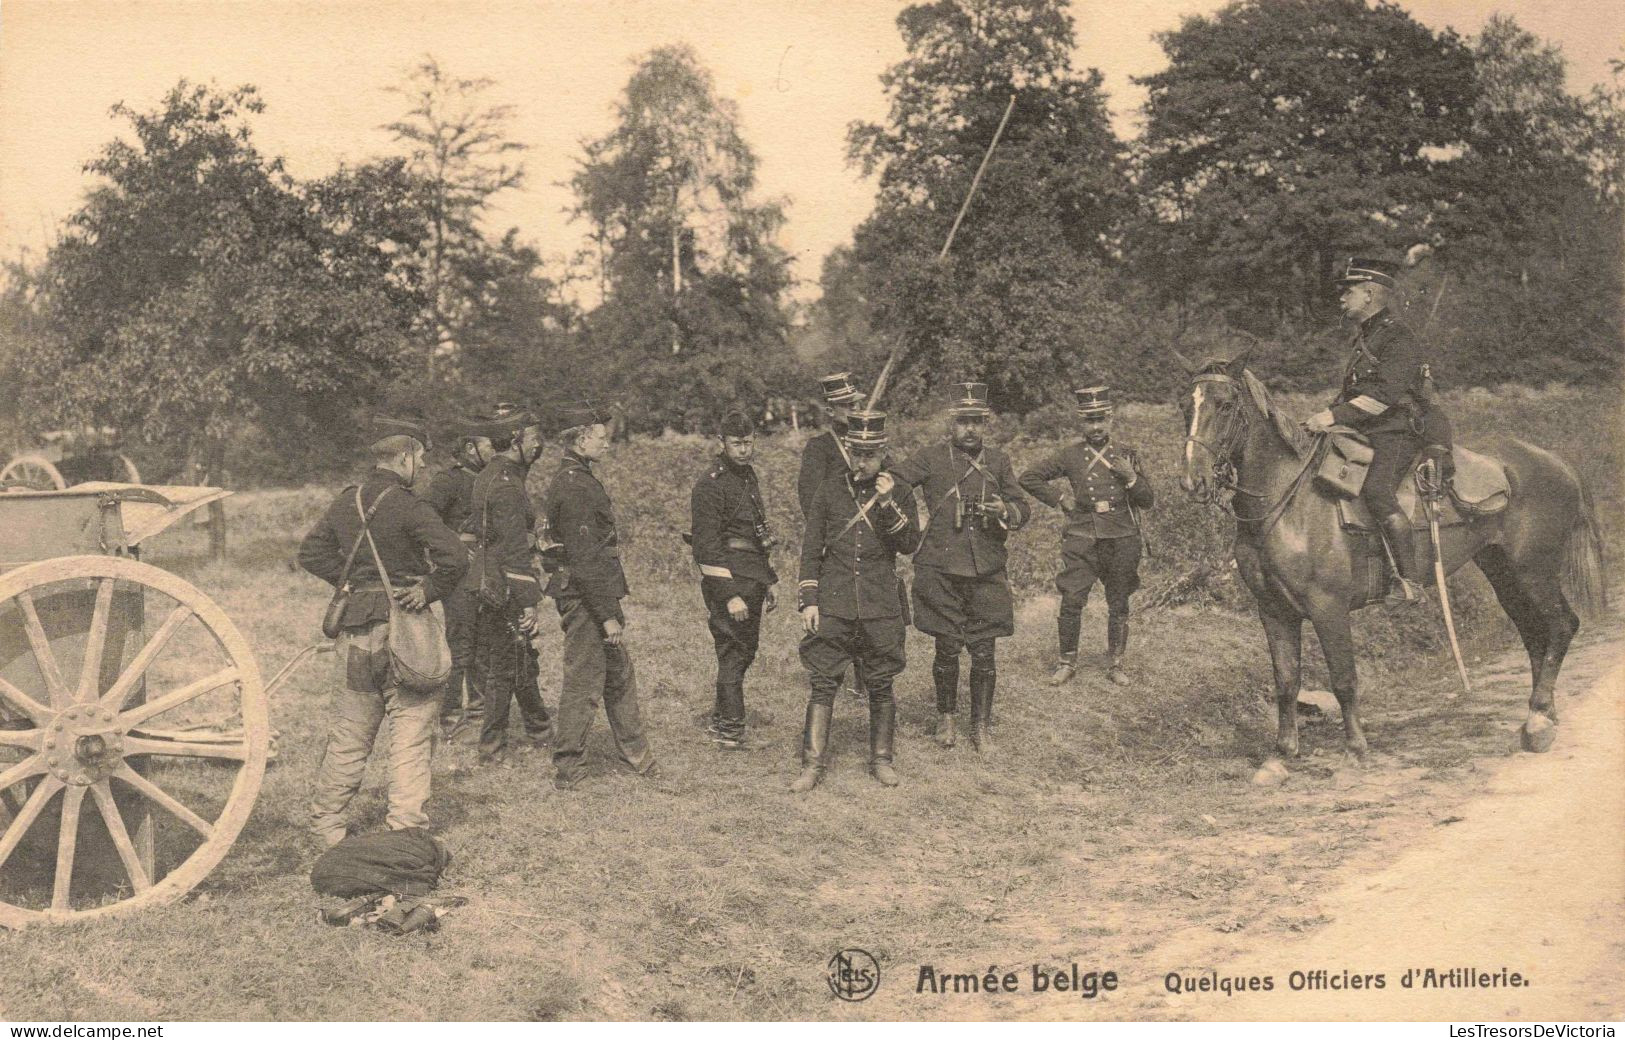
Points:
[[1307, 540]]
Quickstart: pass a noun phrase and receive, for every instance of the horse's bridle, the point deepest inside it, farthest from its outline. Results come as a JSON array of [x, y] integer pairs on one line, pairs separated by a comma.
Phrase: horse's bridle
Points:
[[1232, 425]]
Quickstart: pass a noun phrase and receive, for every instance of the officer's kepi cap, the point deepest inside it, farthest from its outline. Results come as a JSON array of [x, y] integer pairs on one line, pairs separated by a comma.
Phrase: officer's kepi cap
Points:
[[1356, 270], [839, 391], [381, 427], [970, 400], [1093, 402], [866, 433]]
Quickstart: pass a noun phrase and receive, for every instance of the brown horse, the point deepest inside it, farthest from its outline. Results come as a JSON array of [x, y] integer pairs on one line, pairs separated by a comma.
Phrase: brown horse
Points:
[[1300, 563]]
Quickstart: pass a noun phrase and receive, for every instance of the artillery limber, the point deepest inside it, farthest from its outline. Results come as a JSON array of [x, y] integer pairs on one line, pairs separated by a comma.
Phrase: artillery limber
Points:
[[121, 685]]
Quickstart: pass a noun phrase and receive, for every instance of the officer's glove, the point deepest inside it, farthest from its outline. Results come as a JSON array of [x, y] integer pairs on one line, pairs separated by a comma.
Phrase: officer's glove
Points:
[[1069, 504], [737, 609], [527, 621], [809, 619]]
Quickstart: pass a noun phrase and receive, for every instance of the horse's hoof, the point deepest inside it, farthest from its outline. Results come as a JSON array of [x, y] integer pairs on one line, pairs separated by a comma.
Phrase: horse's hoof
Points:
[[1537, 734], [1358, 759], [1270, 773]]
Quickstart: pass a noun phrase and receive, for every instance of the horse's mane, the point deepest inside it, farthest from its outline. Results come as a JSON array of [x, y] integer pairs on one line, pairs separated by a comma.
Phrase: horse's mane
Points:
[[1285, 426]]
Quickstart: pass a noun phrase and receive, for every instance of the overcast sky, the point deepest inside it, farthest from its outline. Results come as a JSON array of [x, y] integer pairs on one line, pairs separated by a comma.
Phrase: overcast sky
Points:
[[799, 69]]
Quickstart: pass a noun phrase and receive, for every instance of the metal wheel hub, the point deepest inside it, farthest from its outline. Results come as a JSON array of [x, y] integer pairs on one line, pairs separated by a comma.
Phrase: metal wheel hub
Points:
[[83, 745]]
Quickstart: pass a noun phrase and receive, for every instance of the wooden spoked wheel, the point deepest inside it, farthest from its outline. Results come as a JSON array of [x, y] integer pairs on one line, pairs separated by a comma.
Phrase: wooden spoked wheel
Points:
[[35, 471], [117, 731]]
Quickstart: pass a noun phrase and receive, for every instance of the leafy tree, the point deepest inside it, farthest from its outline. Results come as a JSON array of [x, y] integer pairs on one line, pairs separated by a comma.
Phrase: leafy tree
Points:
[[1531, 237], [1023, 300], [197, 290], [458, 150], [693, 280], [1285, 133]]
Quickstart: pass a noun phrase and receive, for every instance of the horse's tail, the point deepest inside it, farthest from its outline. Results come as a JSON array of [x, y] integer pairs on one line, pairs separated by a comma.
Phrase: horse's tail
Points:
[[1585, 569]]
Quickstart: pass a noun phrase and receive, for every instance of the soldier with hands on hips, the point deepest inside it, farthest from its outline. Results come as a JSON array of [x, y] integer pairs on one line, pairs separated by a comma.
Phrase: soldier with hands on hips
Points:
[[1107, 490]]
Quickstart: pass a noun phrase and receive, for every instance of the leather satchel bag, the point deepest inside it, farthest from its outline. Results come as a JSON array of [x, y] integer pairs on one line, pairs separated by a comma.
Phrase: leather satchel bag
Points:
[[419, 655], [1345, 464], [333, 617]]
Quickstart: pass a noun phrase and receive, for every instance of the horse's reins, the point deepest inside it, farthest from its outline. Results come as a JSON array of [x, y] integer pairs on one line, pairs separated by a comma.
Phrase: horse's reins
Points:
[[1236, 425]]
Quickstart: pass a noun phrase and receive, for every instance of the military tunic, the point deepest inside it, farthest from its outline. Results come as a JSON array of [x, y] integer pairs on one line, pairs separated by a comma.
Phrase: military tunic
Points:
[[505, 665], [961, 591], [413, 544], [1101, 540], [822, 457], [1383, 378], [581, 552], [849, 572], [1383, 398], [725, 511], [451, 494]]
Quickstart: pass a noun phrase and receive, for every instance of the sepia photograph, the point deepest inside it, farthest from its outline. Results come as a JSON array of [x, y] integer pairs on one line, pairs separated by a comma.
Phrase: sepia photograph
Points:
[[761, 511]]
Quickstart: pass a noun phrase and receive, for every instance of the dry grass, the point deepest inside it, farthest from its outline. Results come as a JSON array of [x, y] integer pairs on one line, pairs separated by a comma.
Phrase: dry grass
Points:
[[1112, 820]]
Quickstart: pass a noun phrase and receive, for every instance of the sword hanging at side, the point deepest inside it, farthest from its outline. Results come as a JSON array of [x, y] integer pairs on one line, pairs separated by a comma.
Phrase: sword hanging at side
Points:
[[1431, 489], [897, 351]]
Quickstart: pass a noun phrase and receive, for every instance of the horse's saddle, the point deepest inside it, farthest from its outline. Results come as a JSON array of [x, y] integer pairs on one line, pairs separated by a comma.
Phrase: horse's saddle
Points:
[[1479, 488]]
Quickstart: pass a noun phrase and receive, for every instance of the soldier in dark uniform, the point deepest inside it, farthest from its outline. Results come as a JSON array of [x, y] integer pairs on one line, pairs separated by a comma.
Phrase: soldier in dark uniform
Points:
[[582, 555], [451, 494], [424, 561], [1383, 397], [1102, 535], [850, 596], [731, 541], [961, 590], [501, 519], [825, 453]]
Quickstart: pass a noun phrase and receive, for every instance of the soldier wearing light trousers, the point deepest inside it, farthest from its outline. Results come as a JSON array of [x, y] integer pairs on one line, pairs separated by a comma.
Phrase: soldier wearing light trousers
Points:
[[424, 561]]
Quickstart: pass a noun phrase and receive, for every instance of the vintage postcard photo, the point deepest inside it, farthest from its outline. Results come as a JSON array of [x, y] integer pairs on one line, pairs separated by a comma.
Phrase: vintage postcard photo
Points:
[[706, 510]]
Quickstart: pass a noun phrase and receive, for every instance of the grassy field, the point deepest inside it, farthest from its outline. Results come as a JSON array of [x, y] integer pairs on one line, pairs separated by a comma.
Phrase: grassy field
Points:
[[1111, 821]]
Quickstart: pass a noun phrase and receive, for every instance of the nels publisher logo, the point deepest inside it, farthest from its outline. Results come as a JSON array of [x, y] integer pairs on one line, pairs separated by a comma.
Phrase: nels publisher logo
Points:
[[853, 975]]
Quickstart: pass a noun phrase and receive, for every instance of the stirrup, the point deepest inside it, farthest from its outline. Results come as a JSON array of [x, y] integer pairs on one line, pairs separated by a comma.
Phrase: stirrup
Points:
[[1403, 592]]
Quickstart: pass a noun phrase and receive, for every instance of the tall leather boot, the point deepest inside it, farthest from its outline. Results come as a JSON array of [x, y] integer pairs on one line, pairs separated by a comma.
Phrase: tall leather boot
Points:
[[814, 746], [727, 729], [945, 674], [1116, 646], [1069, 625], [882, 724], [982, 685], [1407, 587]]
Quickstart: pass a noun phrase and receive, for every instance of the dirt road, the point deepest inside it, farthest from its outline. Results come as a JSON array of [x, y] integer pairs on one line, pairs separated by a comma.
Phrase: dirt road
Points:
[[1527, 876]]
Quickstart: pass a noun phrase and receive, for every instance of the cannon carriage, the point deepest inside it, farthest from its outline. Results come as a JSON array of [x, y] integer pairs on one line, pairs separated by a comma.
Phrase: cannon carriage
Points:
[[134, 724]]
